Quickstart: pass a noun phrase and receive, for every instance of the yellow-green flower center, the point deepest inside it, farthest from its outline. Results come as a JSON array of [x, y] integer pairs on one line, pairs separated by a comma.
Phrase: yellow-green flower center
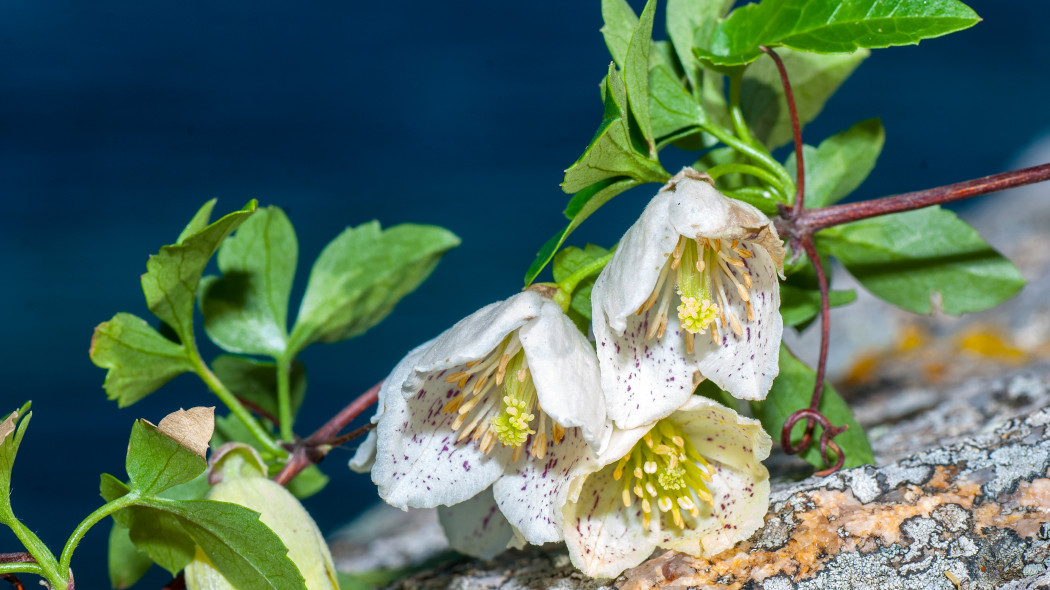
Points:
[[497, 402], [704, 271], [664, 468]]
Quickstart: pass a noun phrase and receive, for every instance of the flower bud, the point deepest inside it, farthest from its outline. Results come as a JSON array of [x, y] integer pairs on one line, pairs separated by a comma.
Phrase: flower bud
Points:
[[238, 475]]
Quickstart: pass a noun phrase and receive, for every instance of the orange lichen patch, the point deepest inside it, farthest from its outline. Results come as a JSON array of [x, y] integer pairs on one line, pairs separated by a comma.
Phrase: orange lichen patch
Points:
[[862, 370], [990, 343], [833, 522]]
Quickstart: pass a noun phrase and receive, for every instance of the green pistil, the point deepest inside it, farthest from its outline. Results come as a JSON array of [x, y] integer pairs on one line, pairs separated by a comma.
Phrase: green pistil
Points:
[[511, 425], [697, 309]]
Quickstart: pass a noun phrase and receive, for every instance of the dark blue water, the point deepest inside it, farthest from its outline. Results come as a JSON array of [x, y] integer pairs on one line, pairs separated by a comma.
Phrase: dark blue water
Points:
[[120, 118]]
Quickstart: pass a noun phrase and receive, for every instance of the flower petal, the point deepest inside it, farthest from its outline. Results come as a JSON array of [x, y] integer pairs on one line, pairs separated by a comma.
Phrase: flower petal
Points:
[[720, 434], [532, 494], [565, 372], [603, 538], [478, 334], [476, 527], [365, 455], [418, 463]]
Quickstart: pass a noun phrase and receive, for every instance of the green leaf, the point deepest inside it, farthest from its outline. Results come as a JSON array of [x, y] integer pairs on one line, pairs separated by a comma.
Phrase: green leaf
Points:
[[690, 24], [157, 462], [798, 306], [309, 481], [791, 391], [172, 275], [924, 261], [671, 107], [827, 26], [242, 548], [199, 221], [256, 382], [636, 73], [619, 25], [611, 153], [229, 429], [138, 359], [582, 205], [814, 78], [11, 432], [127, 564], [361, 275], [840, 164], [246, 310], [708, 389], [567, 262]]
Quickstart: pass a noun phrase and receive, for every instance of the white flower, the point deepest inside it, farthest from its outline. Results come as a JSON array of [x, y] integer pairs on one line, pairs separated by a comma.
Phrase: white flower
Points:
[[693, 482], [713, 260], [509, 397]]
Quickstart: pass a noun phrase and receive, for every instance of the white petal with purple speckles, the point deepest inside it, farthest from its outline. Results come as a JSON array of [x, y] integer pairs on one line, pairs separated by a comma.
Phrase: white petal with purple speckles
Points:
[[531, 496], [647, 378], [365, 455], [565, 372], [478, 334], [418, 462], [604, 537], [476, 527]]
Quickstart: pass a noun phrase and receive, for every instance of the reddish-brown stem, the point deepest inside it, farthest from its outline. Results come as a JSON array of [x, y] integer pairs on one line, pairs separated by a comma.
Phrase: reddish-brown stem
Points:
[[13, 580], [814, 220], [307, 451], [177, 583], [825, 319], [20, 557], [796, 130]]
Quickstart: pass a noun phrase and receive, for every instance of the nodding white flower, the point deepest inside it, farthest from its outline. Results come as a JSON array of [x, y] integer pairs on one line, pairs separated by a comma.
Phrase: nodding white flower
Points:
[[693, 482], [510, 397], [692, 293]]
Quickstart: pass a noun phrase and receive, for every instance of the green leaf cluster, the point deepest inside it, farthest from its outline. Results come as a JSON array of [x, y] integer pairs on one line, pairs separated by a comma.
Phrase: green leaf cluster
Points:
[[159, 517]]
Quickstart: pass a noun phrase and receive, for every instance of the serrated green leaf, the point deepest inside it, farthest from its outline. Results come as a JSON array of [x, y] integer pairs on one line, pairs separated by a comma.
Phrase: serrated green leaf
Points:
[[619, 24], [157, 462], [361, 275], [924, 261], [172, 275], [690, 24], [242, 548], [611, 153], [256, 382], [831, 26], [814, 78], [798, 306], [138, 359], [840, 164], [671, 107], [127, 564], [582, 205], [12, 429], [246, 310], [636, 72], [791, 391], [572, 259], [199, 221]]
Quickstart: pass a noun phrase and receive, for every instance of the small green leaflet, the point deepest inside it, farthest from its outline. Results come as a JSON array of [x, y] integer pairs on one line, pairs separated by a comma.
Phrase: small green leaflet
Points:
[[582, 205], [814, 78], [671, 108], [791, 391], [127, 564], [619, 25], [246, 310], [636, 73], [611, 152], [923, 261], [172, 275], [567, 262], [840, 164], [11, 432], [832, 26], [156, 462], [137, 358], [690, 24], [361, 275]]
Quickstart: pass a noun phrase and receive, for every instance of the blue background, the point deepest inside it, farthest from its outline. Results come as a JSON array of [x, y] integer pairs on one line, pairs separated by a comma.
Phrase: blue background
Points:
[[120, 118]]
